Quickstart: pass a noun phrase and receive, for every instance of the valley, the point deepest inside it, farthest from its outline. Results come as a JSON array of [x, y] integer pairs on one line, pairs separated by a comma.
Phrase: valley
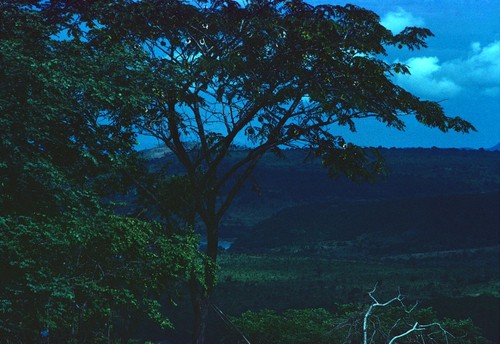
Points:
[[294, 238]]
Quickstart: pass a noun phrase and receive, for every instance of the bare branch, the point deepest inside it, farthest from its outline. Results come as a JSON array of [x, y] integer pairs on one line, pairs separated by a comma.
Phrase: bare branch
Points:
[[417, 327], [420, 327]]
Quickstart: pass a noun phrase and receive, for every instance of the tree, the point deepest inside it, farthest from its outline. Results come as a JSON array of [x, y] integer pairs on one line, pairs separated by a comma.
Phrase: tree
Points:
[[273, 74], [80, 278], [67, 99]]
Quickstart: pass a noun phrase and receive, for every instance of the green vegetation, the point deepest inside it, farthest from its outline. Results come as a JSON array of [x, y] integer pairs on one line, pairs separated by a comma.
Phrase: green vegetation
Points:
[[308, 326], [453, 287], [71, 271], [256, 282], [62, 123], [277, 73], [86, 278], [81, 79]]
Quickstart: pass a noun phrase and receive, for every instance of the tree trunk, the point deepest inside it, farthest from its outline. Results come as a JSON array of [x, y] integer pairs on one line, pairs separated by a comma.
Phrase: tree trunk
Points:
[[201, 294], [201, 303]]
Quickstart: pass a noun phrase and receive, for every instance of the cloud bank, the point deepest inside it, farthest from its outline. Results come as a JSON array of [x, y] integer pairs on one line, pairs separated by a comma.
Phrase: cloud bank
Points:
[[481, 70], [478, 73]]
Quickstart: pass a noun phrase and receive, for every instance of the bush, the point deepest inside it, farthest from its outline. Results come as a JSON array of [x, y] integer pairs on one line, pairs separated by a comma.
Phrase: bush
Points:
[[76, 278], [303, 326]]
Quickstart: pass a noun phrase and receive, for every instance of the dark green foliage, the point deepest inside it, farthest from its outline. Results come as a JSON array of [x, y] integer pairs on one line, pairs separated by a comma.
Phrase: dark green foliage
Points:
[[65, 104], [278, 282], [304, 326], [258, 281], [166, 197], [70, 88], [293, 326], [483, 309], [85, 278]]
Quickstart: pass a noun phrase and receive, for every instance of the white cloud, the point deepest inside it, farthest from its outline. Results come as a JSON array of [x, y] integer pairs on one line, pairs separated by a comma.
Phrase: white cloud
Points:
[[423, 66], [480, 70], [426, 78], [477, 73], [397, 20], [475, 47]]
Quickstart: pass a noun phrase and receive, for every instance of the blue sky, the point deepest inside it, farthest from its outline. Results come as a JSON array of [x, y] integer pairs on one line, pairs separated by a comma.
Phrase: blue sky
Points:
[[460, 69]]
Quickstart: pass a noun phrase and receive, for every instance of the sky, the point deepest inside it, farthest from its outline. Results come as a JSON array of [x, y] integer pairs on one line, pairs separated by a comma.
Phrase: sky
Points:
[[460, 69]]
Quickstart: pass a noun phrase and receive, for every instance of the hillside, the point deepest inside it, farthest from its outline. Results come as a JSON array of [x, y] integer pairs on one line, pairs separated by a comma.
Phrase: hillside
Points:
[[430, 227], [495, 147], [376, 228], [431, 199], [412, 173]]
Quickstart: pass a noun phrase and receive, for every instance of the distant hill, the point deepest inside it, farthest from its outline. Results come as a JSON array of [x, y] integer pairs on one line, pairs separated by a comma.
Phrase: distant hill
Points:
[[278, 184], [381, 227], [430, 199], [495, 148], [155, 153]]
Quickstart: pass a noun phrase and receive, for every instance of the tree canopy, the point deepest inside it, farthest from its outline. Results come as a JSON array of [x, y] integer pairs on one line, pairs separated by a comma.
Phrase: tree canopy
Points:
[[272, 74], [65, 104], [302, 326], [71, 269]]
